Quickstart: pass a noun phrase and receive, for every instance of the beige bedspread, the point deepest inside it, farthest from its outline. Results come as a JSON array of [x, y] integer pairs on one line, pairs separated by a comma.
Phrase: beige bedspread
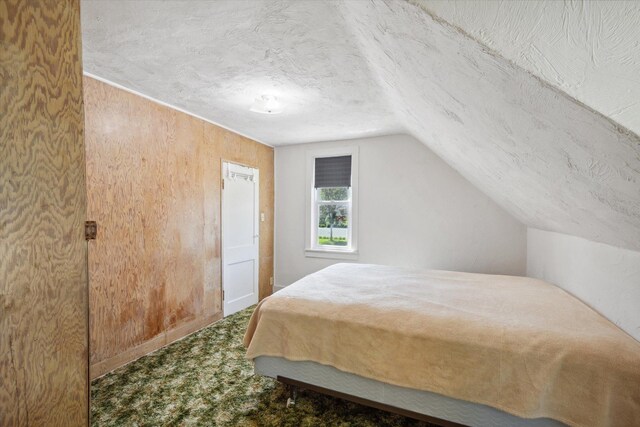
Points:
[[514, 343]]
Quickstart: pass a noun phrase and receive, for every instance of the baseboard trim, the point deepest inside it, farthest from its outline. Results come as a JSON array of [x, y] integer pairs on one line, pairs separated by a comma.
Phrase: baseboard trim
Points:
[[103, 367]]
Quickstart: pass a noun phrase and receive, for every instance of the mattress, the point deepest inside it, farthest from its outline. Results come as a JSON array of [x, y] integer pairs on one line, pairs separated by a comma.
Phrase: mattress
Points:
[[423, 402], [516, 344]]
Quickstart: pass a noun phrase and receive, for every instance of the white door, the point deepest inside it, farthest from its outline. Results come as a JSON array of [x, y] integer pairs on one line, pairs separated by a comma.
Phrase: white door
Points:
[[240, 238]]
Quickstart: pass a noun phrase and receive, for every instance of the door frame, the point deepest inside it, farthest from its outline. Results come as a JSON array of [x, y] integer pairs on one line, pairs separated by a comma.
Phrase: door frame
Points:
[[257, 220]]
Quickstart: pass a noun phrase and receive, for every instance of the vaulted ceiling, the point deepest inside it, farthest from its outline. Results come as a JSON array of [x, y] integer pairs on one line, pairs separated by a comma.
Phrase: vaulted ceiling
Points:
[[588, 49], [214, 58], [535, 105]]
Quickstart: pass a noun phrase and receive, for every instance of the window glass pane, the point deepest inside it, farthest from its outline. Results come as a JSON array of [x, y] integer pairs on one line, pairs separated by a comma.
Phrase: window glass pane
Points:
[[333, 194], [333, 222]]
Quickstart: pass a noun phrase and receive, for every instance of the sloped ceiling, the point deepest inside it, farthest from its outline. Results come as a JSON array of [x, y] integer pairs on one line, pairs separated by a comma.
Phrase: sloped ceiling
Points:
[[356, 68], [588, 49], [214, 58]]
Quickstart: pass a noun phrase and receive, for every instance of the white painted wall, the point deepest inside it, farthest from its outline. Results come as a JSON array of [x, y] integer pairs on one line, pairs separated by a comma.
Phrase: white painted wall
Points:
[[605, 277], [415, 210]]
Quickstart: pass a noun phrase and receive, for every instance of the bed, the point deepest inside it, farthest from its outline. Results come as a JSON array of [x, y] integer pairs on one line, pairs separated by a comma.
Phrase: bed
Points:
[[454, 348]]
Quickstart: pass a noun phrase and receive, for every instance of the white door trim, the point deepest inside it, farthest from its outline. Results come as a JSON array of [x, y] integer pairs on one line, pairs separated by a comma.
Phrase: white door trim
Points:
[[234, 171]]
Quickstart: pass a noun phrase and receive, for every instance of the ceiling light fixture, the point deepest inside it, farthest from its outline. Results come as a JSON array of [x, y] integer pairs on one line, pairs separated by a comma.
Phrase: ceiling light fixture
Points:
[[266, 104]]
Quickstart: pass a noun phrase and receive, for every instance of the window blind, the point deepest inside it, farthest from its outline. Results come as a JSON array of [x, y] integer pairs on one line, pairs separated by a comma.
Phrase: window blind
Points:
[[333, 172]]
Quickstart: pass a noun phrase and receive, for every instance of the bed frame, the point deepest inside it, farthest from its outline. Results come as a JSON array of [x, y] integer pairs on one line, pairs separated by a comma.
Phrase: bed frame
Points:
[[294, 385], [421, 405]]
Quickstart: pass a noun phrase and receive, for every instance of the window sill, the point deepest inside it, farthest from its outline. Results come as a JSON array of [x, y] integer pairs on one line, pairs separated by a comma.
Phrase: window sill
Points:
[[331, 254]]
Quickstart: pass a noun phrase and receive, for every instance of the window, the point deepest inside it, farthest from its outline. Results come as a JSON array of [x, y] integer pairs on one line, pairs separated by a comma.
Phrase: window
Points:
[[331, 217], [333, 206]]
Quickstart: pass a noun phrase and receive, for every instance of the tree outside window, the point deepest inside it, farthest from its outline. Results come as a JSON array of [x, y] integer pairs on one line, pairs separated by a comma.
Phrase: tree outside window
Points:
[[333, 215]]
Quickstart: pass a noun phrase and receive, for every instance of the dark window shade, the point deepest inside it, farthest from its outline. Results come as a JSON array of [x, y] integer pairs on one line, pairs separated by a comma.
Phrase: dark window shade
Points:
[[333, 172]]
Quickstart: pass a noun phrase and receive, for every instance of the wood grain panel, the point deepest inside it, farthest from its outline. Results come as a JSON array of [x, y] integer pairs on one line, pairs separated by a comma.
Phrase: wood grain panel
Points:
[[212, 223], [182, 237], [114, 190], [154, 184], [145, 191], [267, 201], [132, 353], [43, 283], [266, 273]]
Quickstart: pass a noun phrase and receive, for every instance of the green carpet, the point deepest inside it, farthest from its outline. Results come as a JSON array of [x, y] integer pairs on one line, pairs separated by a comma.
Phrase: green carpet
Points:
[[204, 380]]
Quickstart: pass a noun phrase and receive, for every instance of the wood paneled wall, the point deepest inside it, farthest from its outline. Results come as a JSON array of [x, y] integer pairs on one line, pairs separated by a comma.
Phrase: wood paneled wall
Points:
[[154, 183], [43, 282]]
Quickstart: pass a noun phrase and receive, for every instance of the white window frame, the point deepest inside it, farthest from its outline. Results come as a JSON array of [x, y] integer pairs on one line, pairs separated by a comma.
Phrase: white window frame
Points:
[[312, 249]]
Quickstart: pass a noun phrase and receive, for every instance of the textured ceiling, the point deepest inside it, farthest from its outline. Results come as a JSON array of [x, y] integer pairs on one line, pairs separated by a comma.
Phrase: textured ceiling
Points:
[[355, 68], [213, 58], [589, 49]]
